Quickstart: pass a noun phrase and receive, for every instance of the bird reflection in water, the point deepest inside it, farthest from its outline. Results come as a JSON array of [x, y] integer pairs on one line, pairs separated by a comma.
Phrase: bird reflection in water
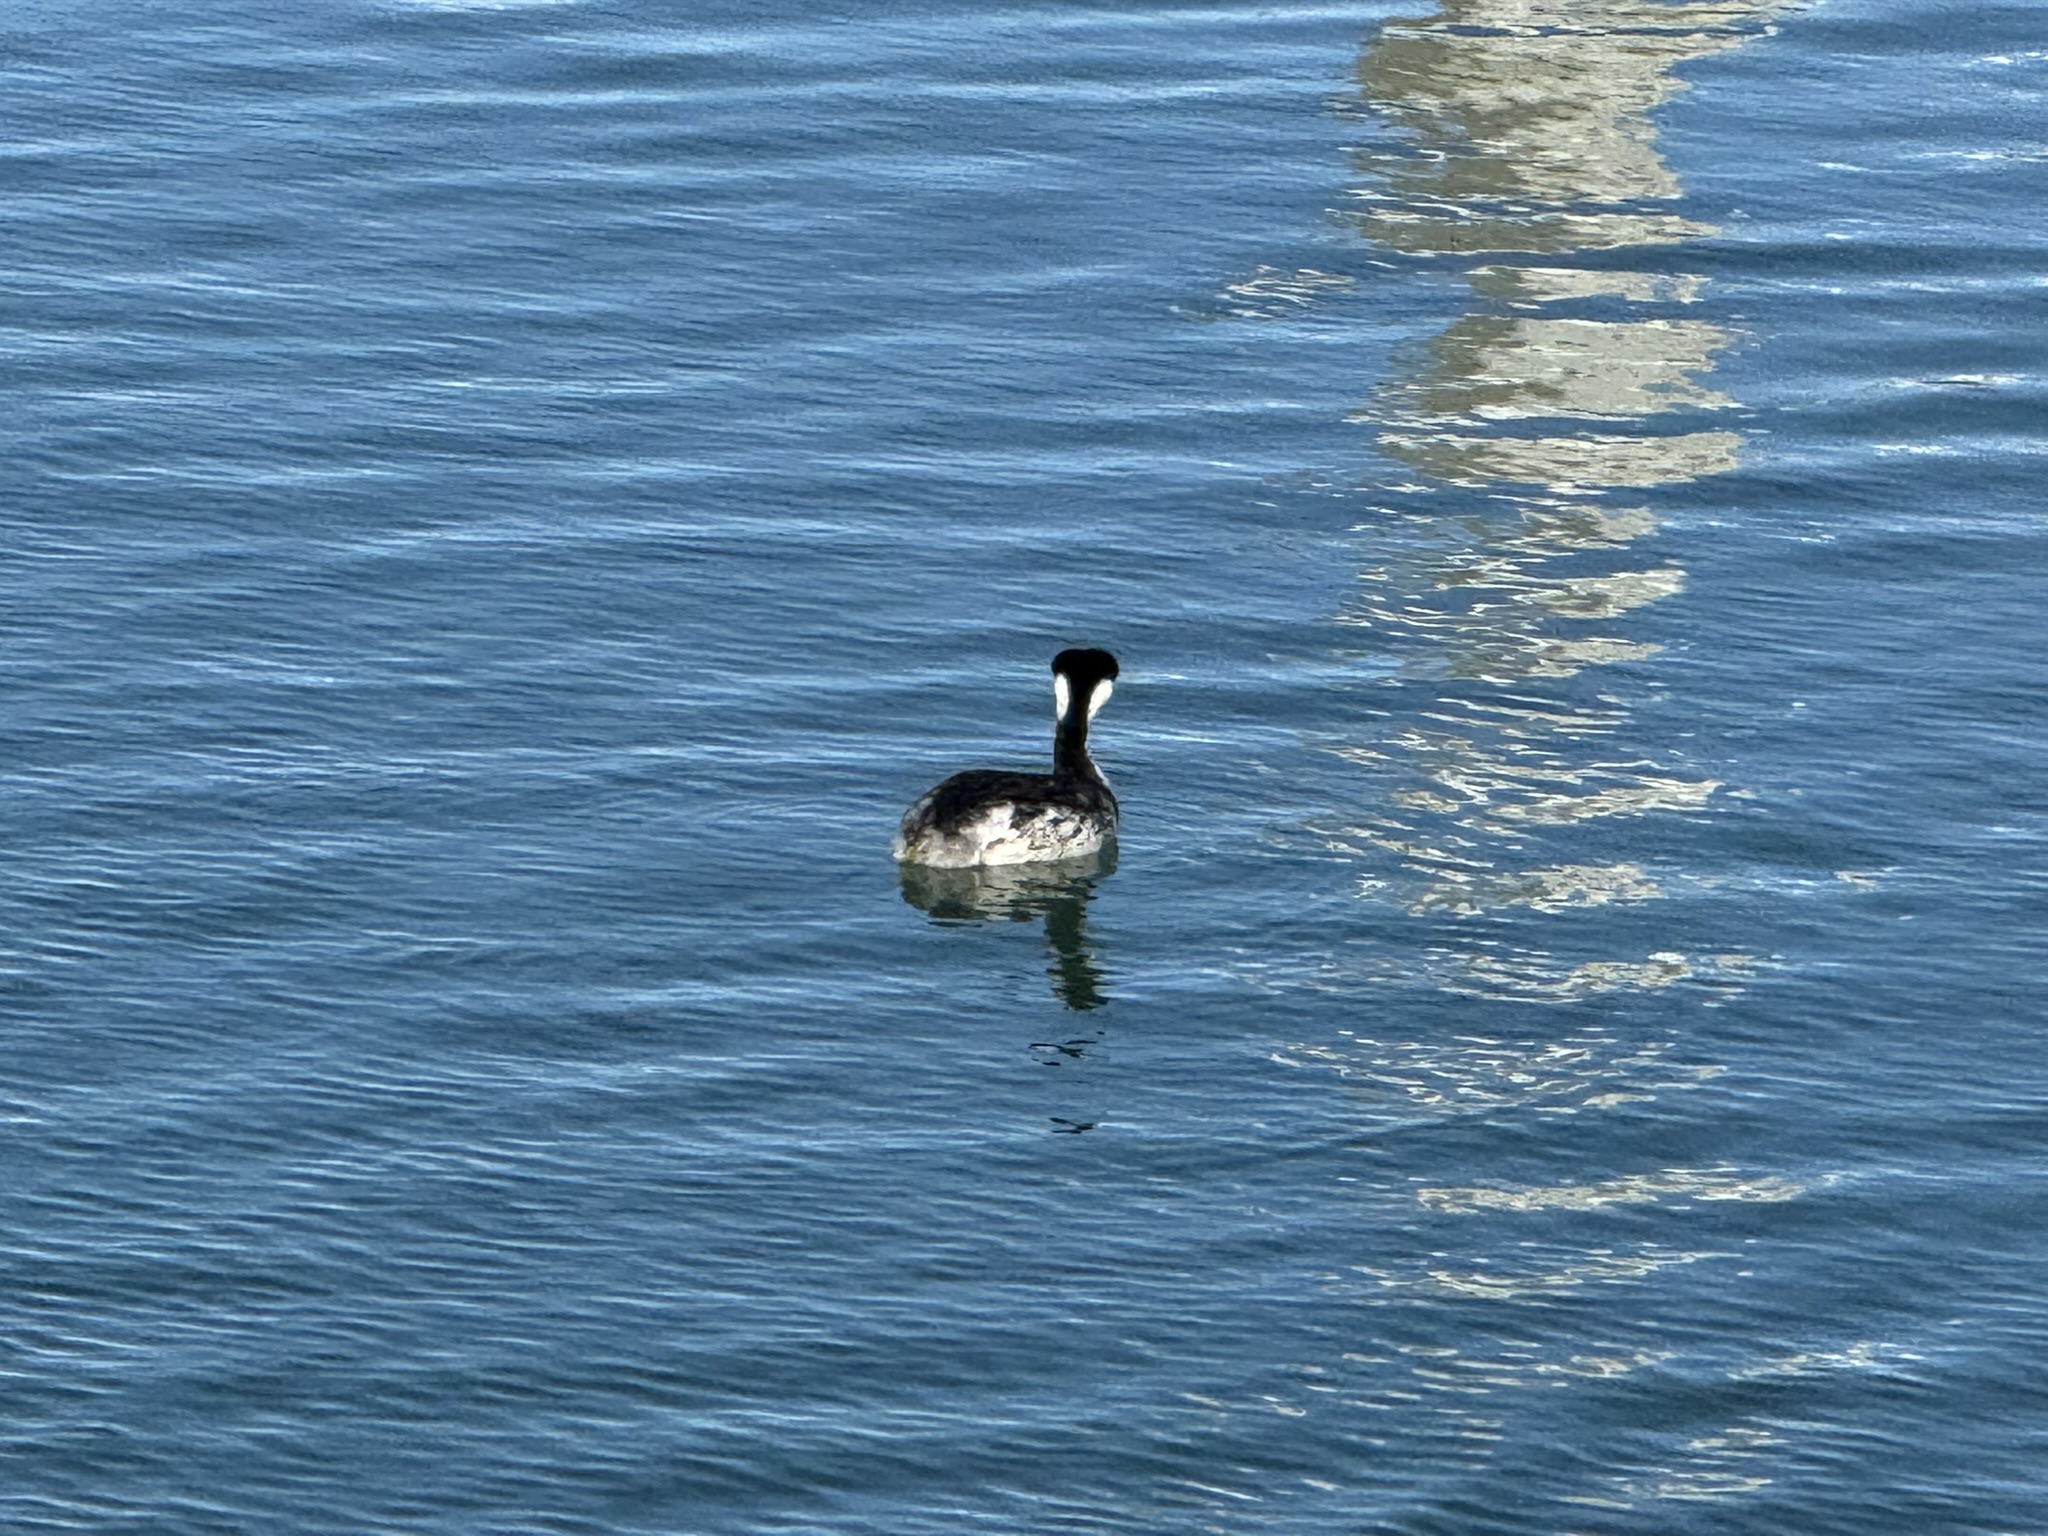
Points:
[[1018, 893]]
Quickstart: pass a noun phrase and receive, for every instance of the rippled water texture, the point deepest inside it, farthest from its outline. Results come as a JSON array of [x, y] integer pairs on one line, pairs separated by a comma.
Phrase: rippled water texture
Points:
[[508, 503]]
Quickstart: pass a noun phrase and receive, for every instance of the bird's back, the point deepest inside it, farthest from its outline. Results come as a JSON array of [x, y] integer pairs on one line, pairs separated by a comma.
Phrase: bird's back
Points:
[[988, 816]]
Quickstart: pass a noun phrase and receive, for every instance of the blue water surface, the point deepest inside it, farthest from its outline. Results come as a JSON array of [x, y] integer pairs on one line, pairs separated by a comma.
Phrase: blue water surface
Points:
[[508, 502]]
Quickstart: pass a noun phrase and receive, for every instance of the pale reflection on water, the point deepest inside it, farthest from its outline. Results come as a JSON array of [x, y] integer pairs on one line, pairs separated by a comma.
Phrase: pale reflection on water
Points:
[[1530, 120], [1539, 1277], [1406, 1080], [1505, 367], [1529, 131], [1635, 1189], [1581, 461], [1538, 425]]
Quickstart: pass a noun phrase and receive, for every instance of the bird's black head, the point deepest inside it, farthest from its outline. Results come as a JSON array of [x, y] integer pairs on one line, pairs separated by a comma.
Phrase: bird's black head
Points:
[[1082, 677], [1083, 668]]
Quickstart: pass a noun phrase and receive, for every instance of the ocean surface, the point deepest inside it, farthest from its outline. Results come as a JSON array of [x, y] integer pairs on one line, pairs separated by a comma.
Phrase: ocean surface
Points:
[[505, 505]]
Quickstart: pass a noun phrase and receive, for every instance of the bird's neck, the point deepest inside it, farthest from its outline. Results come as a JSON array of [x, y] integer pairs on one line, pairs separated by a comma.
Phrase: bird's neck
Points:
[[1070, 746]]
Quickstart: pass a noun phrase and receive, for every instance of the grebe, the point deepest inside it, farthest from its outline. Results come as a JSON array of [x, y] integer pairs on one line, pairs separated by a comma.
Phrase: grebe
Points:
[[985, 816]]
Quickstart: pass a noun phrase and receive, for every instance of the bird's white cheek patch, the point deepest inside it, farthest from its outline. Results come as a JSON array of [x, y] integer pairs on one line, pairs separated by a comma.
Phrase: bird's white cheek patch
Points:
[[1098, 698], [1062, 696]]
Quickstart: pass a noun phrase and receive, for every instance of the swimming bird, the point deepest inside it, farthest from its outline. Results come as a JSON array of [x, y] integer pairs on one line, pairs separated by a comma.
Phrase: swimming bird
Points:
[[987, 816]]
